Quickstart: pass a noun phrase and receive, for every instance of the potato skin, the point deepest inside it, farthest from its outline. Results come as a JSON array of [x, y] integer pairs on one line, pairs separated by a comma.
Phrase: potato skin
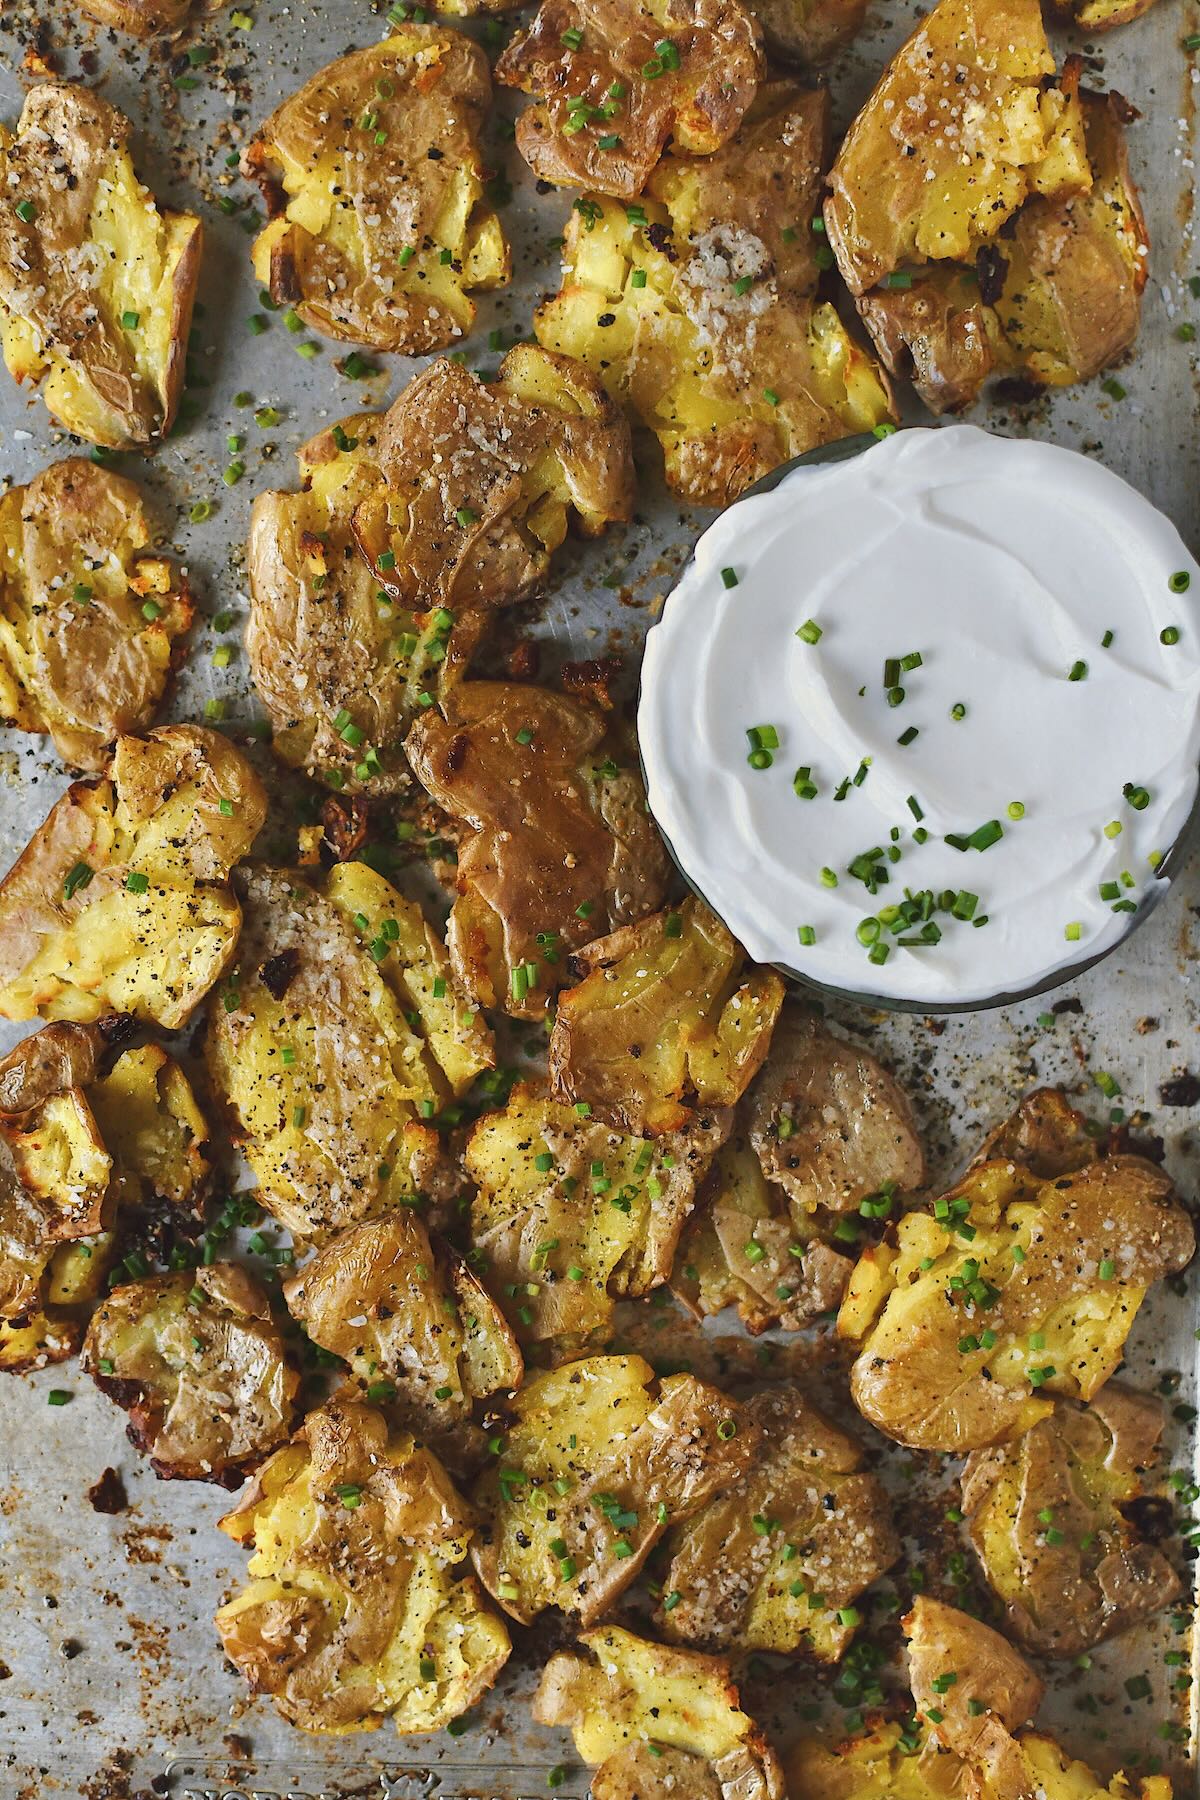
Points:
[[93, 383], [91, 670], [699, 103], [421, 195], [75, 949], [553, 830], [808, 32], [988, 1671], [148, 18]]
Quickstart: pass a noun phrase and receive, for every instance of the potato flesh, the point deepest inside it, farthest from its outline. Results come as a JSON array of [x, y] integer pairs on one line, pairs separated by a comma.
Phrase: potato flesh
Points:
[[53, 1187], [880, 1767], [693, 355], [591, 1456], [353, 208], [925, 1377], [107, 947], [83, 670], [329, 1082], [358, 1537], [662, 1013], [598, 1220], [150, 1121]]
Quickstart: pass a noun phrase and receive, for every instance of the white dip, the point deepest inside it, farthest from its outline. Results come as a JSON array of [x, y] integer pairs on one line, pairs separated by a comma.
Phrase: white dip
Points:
[[1003, 565]]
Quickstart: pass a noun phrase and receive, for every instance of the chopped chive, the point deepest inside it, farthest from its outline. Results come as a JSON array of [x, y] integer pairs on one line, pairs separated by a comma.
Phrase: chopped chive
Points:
[[1180, 582], [807, 935], [810, 632], [1169, 634], [729, 578]]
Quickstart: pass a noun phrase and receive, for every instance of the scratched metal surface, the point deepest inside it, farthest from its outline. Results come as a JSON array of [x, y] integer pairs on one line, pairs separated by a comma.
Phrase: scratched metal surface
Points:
[[110, 1679]]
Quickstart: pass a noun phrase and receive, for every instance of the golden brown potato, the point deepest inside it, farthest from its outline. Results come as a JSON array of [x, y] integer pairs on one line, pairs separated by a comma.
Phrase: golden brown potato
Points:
[[972, 1690], [96, 281], [572, 1215], [1097, 15], [421, 1334], [614, 80], [823, 1132], [374, 183], [1053, 1522], [777, 1561], [660, 1722], [120, 901], [149, 18], [356, 1610], [199, 1365], [1014, 1290], [699, 307], [340, 667], [662, 1021], [598, 1460], [885, 1764], [81, 1149], [91, 624], [561, 844], [808, 32], [1009, 239], [340, 1033], [1044, 1133], [480, 481]]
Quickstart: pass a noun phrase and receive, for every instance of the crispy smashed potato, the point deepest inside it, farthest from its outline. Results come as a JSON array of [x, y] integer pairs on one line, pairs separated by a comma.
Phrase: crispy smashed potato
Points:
[[120, 902], [96, 281], [340, 671], [340, 1032], [571, 1215], [663, 1020], [824, 1131], [149, 18], [355, 1611], [198, 1363], [421, 1334], [699, 307], [614, 80], [562, 846], [79, 1147], [480, 481], [1054, 301], [973, 1690], [1014, 1290], [1050, 1524], [90, 623], [775, 1561], [988, 224], [658, 1721], [885, 1764], [1097, 15], [808, 32], [599, 1459], [373, 176]]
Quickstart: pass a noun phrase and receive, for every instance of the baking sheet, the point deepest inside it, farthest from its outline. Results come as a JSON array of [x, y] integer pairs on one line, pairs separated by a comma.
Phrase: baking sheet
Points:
[[111, 1683]]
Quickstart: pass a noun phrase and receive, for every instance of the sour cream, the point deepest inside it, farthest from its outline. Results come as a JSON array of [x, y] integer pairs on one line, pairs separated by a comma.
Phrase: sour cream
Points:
[[965, 640]]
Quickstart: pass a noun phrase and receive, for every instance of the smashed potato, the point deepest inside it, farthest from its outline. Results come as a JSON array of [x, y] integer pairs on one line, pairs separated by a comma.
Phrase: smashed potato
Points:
[[561, 843], [340, 668], [972, 1690], [658, 1721], [90, 623], [824, 1131], [340, 1032], [374, 182], [614, 80], [571, 1215], [598, 1460], [777, 1560], [356, 1610], [419, 1331], [1097, 15], [1014, 1290], [198, 1363], [1052, 1519], [661, 1021], [808, 32], [148, 18], [698, 307], [480, 481], [96, 281], [79, 1148], [120, 901]]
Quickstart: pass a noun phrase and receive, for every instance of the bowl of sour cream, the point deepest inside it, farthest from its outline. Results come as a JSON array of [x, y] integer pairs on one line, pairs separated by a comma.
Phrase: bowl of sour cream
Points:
[[921, 719]]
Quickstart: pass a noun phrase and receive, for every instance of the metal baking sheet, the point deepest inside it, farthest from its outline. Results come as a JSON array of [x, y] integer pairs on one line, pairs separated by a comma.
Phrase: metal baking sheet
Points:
[[111, 1683]]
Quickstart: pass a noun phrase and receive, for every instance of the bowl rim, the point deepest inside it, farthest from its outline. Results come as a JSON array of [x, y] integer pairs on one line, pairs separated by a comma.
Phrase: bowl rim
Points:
[[1174, 858]]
